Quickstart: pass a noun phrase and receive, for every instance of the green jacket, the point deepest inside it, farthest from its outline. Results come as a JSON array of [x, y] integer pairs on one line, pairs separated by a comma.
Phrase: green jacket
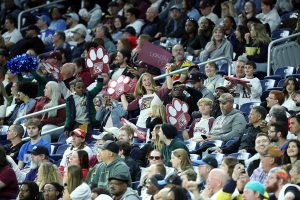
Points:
[[103, 172], [167, 150]]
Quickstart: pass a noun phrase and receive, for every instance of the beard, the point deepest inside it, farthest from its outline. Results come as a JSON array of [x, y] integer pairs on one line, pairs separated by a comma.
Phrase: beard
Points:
[[179, 57], [33, 165], [272, 188]]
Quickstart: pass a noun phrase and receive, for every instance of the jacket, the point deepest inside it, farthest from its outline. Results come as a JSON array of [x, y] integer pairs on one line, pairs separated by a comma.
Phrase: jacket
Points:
[[103, 172], [71, 109], [130, 194], [229, 125], [225, 50]]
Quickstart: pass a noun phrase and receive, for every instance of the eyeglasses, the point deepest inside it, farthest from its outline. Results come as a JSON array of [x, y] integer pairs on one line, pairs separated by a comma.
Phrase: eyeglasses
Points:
[[49, 190], [154, 157]]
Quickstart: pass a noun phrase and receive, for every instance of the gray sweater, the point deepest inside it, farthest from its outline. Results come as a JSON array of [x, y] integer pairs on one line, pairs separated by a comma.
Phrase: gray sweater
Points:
[[228, 126], [225, 50]]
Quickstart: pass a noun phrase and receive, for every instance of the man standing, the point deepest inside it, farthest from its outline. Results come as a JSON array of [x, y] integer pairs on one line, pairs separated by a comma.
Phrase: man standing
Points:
[[34, 128], [112, 165], [230, 124]]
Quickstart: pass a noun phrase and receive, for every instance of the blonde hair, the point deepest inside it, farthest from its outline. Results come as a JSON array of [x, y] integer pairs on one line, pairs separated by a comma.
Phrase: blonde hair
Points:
[[158, 144], [48, 173], [205, 101], [75, 178], [159, 111], [139, 88], [185, 161], [261, 34], [232, 11], [55, 96]]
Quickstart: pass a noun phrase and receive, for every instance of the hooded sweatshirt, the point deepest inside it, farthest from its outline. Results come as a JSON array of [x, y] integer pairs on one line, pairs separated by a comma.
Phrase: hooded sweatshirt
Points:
[[229, 125], [130, 194]]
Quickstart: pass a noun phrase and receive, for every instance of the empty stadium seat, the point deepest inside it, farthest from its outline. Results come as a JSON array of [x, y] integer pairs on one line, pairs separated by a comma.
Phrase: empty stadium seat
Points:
[[281, 33], [267, 83], [284, 71], [281, 82], [61, 149]]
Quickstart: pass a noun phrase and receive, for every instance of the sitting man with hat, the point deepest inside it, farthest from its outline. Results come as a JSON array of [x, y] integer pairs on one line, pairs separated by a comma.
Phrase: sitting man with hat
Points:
[[120, 189], [197, 80], [112, 165]]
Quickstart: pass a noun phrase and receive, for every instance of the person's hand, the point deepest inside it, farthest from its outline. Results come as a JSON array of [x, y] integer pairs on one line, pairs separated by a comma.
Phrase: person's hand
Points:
[[211, 47], [207, 192], [242, 181], [134, 71], [158, 35], [238, 169], [193, 187], [247, 38], [66, 194]]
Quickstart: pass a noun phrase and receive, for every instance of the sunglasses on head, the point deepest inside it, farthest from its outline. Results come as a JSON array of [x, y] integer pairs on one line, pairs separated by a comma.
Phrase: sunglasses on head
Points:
[[154, 157]]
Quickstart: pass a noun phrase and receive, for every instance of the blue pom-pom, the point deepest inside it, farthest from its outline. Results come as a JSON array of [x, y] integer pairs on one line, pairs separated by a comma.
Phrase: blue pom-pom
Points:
[[22, 63]]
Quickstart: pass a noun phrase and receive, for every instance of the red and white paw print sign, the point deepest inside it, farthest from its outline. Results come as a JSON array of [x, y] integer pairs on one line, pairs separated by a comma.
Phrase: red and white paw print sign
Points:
[[51, 68], [97, 60], [177, 114], [119, 87]]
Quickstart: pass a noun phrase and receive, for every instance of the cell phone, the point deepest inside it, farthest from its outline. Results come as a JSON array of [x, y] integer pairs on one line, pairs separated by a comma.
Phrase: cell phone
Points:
[[204, 137]]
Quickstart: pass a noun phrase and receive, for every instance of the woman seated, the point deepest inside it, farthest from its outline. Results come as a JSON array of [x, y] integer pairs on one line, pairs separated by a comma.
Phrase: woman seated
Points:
[[180, 161], [219, 46], [54, 118], [289, 87], [213, 80]]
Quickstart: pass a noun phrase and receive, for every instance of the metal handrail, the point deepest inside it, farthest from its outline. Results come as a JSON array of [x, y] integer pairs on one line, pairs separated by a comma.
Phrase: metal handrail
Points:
[[270, 48], [186, 68], [40, 112], [31, 9]]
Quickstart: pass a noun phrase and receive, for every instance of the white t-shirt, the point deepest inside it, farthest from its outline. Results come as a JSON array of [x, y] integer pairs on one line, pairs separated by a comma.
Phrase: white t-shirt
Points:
[[83, 191], [201, 128], [254, 95], [13, 36]]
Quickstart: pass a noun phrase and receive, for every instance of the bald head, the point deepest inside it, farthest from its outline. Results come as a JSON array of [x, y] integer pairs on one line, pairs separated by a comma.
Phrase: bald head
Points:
[[216, 179], [67, 70]]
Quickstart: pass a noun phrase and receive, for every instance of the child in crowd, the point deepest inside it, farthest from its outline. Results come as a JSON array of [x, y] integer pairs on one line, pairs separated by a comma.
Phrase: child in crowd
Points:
[[156, 116], [249, 92], [200, 127]]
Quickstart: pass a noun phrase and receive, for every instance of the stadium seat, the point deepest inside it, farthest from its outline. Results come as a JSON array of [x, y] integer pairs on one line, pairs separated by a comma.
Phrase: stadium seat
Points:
[[223, 69], [267, 83], [134, 185], [284, 71], [246, 108], [289, 20], [281, 82], [61, 149], [264, 95]]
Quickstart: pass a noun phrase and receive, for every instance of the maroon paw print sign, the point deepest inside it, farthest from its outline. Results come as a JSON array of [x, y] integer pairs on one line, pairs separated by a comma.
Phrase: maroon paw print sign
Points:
[[177, 114], [97, 60], [118, 87], [51, 68]]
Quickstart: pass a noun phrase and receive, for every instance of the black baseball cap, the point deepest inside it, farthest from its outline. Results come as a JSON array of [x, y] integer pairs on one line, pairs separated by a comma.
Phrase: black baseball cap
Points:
[[39, 150], [197, 76], [110, 146], [171, 179]]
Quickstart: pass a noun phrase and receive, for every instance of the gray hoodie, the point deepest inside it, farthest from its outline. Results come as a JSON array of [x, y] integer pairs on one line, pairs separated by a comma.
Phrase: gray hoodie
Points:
[[130, 194], [228, 126]]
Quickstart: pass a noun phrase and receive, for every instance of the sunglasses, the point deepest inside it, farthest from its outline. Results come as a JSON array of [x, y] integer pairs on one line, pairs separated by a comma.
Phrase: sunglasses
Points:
[[154, 157]]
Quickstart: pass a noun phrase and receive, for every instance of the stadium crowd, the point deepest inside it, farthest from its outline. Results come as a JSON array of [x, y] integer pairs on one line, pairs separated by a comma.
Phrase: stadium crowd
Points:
[[195, 134]]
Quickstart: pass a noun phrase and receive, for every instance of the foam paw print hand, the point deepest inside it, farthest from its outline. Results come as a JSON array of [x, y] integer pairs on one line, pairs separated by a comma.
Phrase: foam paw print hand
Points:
[[97, 60], [51, 68], [177, 114], [119, 87]]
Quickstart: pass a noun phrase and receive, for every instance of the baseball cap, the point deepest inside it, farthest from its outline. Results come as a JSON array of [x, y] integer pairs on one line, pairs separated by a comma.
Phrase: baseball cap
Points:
[[130, 30], [104, 136], [208, 160], [242, 58], [272, 151], [225, 89], [197, 76], [176, 6], [119, 177], [39, 150], [171, 179], [256, 186], [192, 67], [79, 132], [74, 16], [226, 97], [45, 18], [154, 180], [110, 146], [112, 130], [81, 31]]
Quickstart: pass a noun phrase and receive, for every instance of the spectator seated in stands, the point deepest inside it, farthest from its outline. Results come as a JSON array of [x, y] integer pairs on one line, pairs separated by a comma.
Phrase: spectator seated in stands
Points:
[[168, 135], [12, 35], [77, 143], [275, 98], [180, 161], [60, 44], [269, 14], [132, 18], [124, 152], [103, 33], [28, 190], [45, 33], [57, 23], [51, 119], [278, 134], [33, 127], [257, 42], [14, 134], [153, 24], [112, 165], [249, 92], [295, 125], [79, 38], [202, 126], [217, 47], [119, 187], [206, 9], [82, 71], [145, 92], [72, 20], [122, 62], [197, 80], [91, 13], [289, 87], [213, 80], [80, 157], [230, 124], [292, 153]]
